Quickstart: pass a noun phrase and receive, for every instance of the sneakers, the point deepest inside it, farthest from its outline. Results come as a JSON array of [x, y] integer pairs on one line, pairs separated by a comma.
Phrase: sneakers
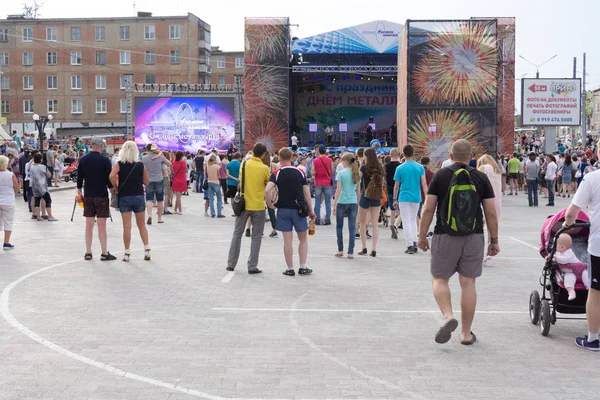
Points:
[[327, 222], [273, 235], [305, 271], [583, 342], [394, 232], [8, 246], [167, 212], [411, 250], [247, 232], [369, 235]]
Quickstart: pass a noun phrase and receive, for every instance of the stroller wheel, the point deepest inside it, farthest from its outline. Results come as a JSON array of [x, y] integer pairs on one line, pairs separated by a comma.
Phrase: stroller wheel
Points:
[[67, 179], [534, 307], [545, 320]]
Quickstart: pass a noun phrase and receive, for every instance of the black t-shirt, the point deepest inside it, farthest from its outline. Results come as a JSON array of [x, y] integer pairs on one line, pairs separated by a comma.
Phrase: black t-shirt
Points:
[[439, 187], [390, 171], [199, 160], [94, 169], [131, 179], [290, 183]]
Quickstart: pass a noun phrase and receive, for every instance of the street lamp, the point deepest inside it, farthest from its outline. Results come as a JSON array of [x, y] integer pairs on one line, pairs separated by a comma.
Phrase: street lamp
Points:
[[537, 67], [40, 124]]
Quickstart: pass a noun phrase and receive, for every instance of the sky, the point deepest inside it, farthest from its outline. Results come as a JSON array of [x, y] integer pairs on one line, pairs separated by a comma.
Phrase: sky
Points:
[[544, 27]]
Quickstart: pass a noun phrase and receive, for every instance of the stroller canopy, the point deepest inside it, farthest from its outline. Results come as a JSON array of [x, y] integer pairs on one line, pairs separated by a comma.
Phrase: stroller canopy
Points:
[[554, 223]]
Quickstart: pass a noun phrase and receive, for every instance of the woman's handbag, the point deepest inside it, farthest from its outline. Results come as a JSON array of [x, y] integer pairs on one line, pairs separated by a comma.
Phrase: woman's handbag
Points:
[[114, 201], [238, 204], [205, 184]]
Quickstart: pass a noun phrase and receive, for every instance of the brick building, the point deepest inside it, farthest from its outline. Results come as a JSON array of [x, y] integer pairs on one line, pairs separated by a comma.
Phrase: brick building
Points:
[[227, 66], [77, 69]]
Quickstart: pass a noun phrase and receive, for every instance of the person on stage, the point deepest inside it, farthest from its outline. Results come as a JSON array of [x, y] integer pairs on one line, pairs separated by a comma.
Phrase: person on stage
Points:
[[328, 134]]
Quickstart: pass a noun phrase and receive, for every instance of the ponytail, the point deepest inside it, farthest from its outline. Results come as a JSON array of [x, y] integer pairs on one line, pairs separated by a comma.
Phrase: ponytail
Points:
[[354, 165]]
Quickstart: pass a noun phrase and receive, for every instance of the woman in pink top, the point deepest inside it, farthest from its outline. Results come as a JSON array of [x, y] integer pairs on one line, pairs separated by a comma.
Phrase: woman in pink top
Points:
[[223, 176], [179, 185]]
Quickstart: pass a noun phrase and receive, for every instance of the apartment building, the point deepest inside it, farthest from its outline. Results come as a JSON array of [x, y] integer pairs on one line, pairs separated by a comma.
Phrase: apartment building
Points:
[[227, 66], [78, 69]]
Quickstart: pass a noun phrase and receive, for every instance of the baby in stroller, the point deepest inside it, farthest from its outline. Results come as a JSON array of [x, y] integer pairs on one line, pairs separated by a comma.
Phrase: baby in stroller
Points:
[[571, 269]]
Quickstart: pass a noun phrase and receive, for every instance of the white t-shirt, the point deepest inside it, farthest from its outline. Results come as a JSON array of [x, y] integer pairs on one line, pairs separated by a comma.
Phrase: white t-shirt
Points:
[[588, 196], [7, 190], [294, 140], [447, 163], [339, 168], [551, 171]]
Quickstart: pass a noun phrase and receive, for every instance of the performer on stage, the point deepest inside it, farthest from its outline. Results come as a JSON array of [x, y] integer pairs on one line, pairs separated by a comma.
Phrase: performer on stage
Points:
[[368, 133], [328, 134]]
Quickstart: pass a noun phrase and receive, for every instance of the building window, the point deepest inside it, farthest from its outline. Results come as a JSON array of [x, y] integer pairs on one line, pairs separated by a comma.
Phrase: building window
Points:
[[221, 80], [220, 62], [75, 58], [75, 34], [3, 59], [5, 107], [100, 33], [4, 82], [3, 34], [27, 58], [207, 38], [123, 107], [51, 58], [100, 58], [124, 33], [100, 82], [149, 32], [174, 32], [52, 82], [150, 78], [100, 106], [175, 57], [76, 106], [150, 57], [238, 80], [126, 79], [52, 106], [76, 82], [239, 62], [27, 35], [125, 57], [51, 34], [28, 106], [28, 83]]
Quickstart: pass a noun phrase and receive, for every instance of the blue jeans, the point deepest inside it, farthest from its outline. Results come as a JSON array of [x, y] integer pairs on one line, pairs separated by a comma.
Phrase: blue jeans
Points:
[[199, 180], [550, 191], [532, 192], [215, 188], [351, 210], [325, 191]]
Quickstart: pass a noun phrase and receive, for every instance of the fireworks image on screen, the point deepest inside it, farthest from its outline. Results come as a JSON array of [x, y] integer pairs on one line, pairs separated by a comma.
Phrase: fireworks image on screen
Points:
[[432, 133], [458, 67]]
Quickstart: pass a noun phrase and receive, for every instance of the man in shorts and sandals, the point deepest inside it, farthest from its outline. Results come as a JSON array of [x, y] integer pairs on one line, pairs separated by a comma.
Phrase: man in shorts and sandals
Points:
[[92, 175], [153, 161], [458, 242], [587, 199], [293, 207]]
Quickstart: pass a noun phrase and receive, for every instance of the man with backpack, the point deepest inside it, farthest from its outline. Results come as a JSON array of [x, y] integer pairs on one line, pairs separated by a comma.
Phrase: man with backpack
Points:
[[458, 193]]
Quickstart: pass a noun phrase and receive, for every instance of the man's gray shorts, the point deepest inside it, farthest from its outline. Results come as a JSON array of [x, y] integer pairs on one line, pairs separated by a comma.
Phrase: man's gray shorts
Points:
[[462, 254]]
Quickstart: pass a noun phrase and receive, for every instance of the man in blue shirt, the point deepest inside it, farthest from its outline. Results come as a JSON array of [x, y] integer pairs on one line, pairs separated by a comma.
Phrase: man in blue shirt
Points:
[[233, 174], [409, 180]]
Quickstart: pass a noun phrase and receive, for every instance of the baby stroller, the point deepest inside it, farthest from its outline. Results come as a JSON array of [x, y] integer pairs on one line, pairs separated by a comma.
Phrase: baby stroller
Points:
[[70, 172], [554, 298]]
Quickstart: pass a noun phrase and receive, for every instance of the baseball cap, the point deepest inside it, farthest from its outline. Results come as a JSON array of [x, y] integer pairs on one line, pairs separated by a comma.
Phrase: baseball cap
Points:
[[153, 147], [97, 141], [322, 149]]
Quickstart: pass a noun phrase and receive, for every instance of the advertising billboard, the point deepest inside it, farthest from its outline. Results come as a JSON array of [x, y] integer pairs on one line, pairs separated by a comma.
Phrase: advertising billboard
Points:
[[184, 123], [551, 102]]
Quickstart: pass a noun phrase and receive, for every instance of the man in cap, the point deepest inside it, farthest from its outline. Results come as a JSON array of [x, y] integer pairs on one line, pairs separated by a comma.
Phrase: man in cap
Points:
[[92, 176], [153, 161]]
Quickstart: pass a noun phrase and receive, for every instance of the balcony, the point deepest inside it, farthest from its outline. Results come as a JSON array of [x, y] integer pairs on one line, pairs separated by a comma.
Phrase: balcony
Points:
[[203, 44], [202, 68]]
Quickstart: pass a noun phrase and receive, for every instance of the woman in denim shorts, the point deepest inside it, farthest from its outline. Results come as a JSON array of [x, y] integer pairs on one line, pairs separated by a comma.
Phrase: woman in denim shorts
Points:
[[130, 176]]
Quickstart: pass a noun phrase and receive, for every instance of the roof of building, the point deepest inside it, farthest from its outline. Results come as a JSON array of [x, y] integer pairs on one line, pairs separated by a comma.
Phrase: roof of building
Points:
[[61, 20], [376, 37]]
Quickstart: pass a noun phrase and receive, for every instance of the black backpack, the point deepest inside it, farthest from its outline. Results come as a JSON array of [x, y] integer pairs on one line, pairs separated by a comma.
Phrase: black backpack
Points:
[[462, 204]]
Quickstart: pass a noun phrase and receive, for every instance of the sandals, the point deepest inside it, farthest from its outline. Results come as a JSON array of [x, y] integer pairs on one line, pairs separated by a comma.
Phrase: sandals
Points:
[[126, 257], [147, 255], [350, 257], [107, 257], [373, 253], [88, 256], [469, 342], [338, 254], [289, 272], [363, 252], [444, 334]]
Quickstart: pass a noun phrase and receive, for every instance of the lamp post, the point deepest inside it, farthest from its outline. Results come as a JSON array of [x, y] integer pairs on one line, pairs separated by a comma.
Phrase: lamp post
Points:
[[40, 124], [537, 66], [1, 73]]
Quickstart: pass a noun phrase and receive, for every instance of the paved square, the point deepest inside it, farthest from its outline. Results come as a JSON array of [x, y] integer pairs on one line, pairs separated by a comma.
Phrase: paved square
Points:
[[180, 327]]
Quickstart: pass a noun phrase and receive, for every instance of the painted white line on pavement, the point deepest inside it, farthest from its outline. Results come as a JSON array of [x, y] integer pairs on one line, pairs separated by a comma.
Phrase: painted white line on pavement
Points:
[[522, 242], [228, 277], [350, 310]]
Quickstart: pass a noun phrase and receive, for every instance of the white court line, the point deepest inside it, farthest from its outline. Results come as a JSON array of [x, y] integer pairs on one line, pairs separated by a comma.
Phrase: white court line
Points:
[[522, 242], [228, 277], [350, 310]]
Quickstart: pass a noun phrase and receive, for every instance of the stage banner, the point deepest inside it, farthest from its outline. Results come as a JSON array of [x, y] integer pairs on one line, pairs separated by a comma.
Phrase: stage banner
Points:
[[266, 82], [402, 109], [506, 85], [184, 123], [356, 101]]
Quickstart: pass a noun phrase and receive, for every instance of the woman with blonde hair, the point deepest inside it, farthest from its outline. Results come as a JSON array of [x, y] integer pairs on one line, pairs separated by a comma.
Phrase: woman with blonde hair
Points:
[[345, 202], [9, 186], [488, 166], [129, 176]]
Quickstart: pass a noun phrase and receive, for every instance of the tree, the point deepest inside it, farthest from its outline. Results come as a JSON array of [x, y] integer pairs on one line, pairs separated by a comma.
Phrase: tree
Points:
[[32, 10]]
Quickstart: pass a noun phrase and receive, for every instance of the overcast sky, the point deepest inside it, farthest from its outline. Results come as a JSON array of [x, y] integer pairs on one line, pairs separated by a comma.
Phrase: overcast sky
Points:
[[544, 27]]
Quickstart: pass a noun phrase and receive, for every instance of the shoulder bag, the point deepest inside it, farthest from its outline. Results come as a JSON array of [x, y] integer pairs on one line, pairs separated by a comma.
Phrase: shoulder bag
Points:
[[114, 201], [238, 204], [328, 174]]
